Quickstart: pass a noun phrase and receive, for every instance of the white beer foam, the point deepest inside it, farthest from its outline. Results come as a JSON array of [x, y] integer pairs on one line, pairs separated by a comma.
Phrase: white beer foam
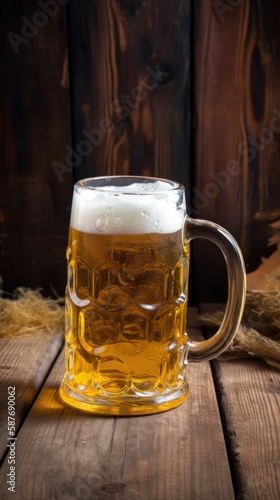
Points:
[[104, 211], [138, 188]]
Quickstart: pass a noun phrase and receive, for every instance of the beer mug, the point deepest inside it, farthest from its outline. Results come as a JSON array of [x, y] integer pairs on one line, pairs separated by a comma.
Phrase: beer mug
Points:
[[126, 295]]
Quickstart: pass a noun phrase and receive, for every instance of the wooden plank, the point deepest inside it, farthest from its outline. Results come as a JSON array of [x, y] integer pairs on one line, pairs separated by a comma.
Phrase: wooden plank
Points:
[[64, 453], [35, 129], [130, 64], [237, 118], [24, 365], [248, 392]]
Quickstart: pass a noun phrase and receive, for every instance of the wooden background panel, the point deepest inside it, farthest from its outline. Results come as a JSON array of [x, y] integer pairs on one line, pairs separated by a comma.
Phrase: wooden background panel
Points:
[[237, 128], [35, 128], [130, 65]]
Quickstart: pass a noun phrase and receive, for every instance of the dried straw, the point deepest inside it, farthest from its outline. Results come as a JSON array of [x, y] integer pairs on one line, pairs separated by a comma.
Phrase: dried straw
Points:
[[259, 332], [28, 312]]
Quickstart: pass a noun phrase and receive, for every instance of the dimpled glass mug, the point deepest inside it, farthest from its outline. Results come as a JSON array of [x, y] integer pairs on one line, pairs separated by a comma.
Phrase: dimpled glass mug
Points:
[[126, 295]]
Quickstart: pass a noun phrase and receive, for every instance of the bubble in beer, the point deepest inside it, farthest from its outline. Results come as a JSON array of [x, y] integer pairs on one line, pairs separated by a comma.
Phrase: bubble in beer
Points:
[[101, 223]]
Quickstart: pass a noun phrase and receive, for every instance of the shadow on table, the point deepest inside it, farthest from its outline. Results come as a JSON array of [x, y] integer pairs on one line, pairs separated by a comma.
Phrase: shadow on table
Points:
[[49, 404]]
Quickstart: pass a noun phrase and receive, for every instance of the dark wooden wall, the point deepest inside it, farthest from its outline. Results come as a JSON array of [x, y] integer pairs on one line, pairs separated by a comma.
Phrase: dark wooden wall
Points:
[[236, 126], [35, 127], [182, 89]]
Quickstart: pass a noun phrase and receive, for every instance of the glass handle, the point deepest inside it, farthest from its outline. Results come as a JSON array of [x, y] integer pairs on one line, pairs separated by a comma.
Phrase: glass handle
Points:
[[209, 349]]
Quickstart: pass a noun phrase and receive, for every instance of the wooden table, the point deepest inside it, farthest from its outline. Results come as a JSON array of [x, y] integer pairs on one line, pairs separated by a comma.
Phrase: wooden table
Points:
[[222, 443]]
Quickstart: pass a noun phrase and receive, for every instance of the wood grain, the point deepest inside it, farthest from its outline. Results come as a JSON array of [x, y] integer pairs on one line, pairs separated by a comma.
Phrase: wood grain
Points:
[[35, 129], [130, 64], [24, 364], [237, 130], [64, 453], [248, 392]]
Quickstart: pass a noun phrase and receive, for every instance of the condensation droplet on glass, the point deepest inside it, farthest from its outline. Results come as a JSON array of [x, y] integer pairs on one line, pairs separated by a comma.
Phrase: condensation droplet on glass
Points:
[[145, 213], [101, 223], [117, 221], [70, 365], [69, 253], [109, 211]]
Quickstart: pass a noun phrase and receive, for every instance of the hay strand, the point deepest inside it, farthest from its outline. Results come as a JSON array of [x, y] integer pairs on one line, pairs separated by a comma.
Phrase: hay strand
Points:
[[259, 332], [28, 311]]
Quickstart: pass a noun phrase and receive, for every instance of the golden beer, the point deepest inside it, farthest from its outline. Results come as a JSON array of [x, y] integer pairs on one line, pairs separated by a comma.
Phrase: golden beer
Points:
[[126, 302]]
